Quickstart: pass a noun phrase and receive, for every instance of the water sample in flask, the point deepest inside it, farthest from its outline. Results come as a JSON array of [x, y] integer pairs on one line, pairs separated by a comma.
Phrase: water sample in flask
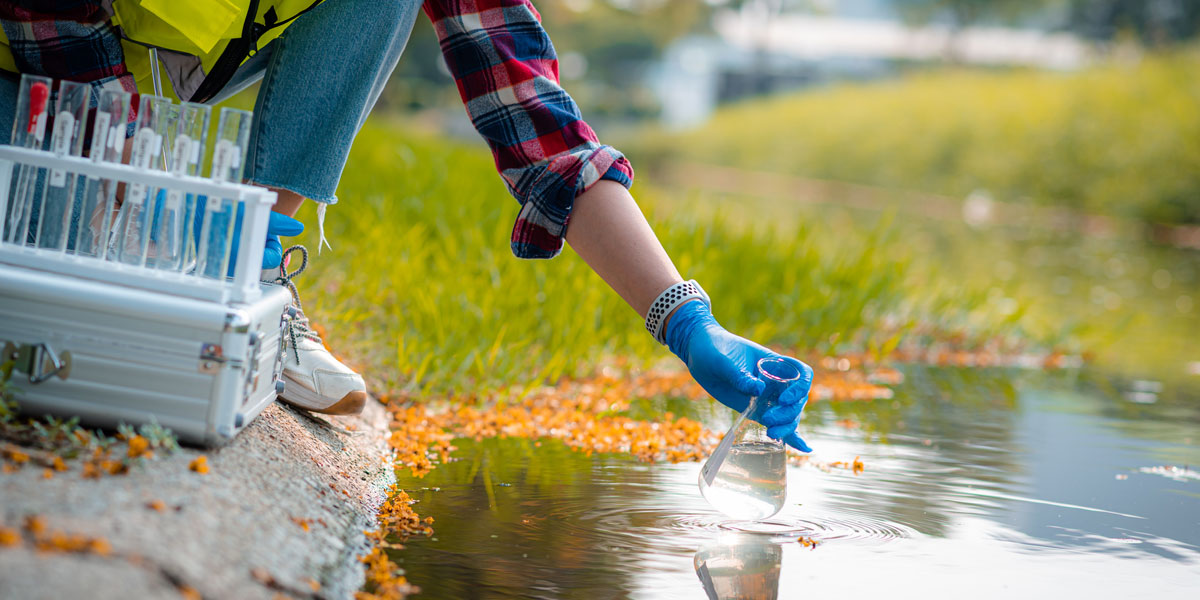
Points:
[[220, 214], [29, 131], [746, 475], [98, 209], [66, 139], [134, 221], [175, 230]]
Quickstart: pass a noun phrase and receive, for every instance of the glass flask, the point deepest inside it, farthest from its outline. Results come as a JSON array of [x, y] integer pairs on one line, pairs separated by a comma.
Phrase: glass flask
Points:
[[746, 475], [742, 567]]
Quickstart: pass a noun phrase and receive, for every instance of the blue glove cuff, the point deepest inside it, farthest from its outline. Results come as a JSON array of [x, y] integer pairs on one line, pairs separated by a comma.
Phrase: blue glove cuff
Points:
[[687, 318]]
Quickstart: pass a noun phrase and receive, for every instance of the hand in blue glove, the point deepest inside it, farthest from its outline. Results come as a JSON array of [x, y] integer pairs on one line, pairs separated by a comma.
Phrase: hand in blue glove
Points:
[[725, 366], [280, 224]]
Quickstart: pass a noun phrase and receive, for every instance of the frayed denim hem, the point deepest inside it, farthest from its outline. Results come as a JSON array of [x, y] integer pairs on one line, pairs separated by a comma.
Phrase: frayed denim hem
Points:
[[321, 198]]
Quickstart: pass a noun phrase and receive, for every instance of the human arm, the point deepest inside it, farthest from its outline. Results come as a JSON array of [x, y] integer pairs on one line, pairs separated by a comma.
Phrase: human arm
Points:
[[571, 186], [608, 230]]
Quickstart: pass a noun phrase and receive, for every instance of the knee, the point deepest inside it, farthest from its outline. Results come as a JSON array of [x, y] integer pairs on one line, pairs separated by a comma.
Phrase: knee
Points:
[[395, 12], [376, 14], [364, 21]]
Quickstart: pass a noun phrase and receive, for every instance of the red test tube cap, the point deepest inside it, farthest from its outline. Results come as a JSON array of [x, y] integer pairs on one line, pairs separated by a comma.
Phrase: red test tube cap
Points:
[[39, 95]]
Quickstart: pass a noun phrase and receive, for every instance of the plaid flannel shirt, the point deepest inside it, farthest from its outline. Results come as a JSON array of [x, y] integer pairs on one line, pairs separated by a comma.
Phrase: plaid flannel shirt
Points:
[[497, 50], [507, 75], [66, 39]]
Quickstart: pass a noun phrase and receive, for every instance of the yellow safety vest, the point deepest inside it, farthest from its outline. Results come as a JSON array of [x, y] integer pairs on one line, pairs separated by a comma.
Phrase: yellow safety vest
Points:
[[191, 32]]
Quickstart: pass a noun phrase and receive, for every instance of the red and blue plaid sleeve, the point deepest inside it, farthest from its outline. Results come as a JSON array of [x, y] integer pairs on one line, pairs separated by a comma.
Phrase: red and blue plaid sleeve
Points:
[[507, 75], [66, 39]]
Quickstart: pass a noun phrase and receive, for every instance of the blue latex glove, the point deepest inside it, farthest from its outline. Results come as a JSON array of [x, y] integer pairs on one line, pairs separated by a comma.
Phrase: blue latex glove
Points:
[[725, 365], [279, 225]]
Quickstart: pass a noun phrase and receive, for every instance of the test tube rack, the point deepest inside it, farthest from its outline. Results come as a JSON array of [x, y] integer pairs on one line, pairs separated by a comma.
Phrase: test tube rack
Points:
[[114, 343], [242, 287]]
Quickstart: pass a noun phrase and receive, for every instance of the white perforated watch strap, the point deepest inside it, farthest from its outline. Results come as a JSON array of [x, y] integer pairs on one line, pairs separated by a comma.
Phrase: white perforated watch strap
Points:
[[668, 301]]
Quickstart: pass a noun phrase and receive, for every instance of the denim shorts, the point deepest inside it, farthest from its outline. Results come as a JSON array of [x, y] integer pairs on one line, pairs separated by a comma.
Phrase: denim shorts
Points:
[[320, 79]]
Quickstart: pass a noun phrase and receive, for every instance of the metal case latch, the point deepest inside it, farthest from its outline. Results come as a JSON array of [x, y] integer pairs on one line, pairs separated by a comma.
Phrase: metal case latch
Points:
[[285, 324], [40, 361], [212, 356], [256, 340]]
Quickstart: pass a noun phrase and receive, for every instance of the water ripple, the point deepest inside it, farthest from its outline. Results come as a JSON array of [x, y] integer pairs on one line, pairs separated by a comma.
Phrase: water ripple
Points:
[[828, 527], [668, 529]]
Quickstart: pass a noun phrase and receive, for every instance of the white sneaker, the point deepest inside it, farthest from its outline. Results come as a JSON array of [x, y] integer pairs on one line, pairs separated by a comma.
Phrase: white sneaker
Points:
[[313, 379]]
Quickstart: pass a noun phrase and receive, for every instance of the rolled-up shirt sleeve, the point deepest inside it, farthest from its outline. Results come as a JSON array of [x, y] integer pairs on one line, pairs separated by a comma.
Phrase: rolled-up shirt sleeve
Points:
[[507, 75]]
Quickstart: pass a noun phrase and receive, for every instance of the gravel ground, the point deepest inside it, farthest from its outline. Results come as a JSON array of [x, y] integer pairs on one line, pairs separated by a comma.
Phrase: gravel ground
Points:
[[230, 533]]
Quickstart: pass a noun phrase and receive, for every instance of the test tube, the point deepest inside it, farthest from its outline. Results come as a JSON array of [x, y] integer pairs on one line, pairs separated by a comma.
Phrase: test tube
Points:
[[175, 233], [58, 198], [220, 214], [136, 217], [29, 131], [96, 213]]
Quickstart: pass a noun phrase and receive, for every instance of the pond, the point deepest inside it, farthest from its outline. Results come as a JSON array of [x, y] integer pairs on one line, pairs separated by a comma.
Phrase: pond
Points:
[[996, 482]]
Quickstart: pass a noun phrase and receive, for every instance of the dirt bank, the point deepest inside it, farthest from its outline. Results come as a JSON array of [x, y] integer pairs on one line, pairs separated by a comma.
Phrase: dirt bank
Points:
[[281, 510]]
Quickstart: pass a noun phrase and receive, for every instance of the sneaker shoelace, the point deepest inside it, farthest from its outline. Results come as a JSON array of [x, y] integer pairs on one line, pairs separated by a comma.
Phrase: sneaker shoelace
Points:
[[298, 326]]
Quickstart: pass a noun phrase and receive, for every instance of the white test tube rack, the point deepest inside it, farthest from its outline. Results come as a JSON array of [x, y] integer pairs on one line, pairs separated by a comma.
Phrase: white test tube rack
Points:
[[243, 287]]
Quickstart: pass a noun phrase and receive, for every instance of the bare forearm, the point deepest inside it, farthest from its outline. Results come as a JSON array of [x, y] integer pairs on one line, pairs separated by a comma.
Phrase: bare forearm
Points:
[[608, 230]]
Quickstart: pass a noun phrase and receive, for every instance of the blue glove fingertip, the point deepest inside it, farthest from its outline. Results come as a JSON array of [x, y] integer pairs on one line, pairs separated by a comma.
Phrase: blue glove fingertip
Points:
[[795, 441], [281, 224], [781, 432]]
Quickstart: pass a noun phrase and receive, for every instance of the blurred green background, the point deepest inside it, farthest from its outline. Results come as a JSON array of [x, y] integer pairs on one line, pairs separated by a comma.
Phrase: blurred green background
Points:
[[1010, 178]]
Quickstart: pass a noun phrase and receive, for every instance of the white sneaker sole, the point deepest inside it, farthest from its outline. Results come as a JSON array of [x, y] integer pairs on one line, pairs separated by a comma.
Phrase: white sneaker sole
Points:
[[301, 397]]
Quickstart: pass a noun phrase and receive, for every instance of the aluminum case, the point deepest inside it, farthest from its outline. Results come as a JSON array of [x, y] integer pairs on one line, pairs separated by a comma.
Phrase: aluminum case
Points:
[[124, 355], [112, 343]]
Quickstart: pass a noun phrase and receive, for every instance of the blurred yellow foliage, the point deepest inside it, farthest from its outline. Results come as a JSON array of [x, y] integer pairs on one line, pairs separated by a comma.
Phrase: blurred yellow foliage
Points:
[[397, 521], [47, 540], [9, 537], [199, 464]]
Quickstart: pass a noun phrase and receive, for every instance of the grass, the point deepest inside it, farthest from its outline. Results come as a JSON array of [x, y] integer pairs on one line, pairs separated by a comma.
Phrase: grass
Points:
[[422, 293], [1129, 306], [1120, 139]]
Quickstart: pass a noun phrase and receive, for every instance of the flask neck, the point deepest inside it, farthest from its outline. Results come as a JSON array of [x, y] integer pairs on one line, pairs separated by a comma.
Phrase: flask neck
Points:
[[751, 431]]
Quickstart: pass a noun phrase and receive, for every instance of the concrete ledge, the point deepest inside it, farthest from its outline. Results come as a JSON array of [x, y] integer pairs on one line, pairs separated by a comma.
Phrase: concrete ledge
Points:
[[232, 533]]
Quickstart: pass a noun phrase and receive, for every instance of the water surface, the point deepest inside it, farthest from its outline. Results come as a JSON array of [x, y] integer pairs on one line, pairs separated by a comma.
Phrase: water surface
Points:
[[987, 482]]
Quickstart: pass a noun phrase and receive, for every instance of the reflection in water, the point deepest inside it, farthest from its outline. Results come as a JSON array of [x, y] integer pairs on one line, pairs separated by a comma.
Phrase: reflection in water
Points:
[[741, 567], [1053, 486]]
